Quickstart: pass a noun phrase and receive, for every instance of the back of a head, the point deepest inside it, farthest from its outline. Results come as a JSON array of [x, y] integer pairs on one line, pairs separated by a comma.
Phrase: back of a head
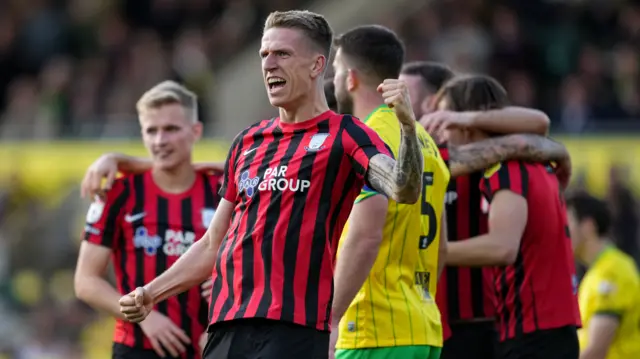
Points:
[[586, 206], [373, 50], [330, 94], [473, 93], [313, 25], [433, 74]]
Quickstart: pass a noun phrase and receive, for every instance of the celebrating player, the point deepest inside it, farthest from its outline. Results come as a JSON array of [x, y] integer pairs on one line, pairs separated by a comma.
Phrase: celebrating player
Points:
[[146, 221], [610, 291], [393, 314], [527, 239], [289, 185], [465, 295]]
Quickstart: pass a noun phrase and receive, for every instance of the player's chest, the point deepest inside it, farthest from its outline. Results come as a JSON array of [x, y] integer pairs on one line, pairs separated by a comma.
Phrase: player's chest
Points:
[[158, 231], [289, 164]]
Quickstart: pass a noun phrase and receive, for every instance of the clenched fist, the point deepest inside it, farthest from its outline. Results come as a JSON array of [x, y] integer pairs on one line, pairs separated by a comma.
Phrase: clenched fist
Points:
[[396, 96], [136, 305]]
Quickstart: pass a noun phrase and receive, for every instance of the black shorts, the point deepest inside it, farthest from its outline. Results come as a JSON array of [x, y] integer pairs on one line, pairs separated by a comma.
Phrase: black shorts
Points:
[[121, 351], [265, 339], [471, 340], [558, 343]]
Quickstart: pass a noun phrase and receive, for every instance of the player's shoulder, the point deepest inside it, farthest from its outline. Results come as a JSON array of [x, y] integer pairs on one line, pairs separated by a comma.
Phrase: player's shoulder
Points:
[[249, 130], [617, 263], [211, 176]]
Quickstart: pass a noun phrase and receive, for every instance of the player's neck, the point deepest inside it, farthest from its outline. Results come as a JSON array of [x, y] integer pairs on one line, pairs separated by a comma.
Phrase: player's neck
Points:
[[365, 103], [176, 180], [593, 251], [308, 109]]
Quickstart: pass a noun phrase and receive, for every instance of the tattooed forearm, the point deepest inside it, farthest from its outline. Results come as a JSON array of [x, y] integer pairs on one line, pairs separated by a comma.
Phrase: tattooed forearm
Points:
[[400, 180], [477, 156]]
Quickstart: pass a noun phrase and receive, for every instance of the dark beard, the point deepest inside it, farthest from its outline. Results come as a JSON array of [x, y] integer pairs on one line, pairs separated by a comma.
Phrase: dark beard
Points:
[[345, 105]]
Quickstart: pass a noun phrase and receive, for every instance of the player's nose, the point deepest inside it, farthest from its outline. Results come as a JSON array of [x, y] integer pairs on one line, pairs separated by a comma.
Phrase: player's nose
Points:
[[269, 63]]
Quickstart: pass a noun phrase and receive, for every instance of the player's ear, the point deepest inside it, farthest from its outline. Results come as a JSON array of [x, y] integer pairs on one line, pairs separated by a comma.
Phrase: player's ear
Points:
[[317, 68], [352, 80], [197, 130]]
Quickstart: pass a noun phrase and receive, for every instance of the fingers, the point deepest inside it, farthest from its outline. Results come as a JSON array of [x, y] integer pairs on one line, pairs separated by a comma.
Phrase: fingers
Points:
[[206, 288], [180, 334], [111, 176], [155, 344], [171, 343], [139, 297]]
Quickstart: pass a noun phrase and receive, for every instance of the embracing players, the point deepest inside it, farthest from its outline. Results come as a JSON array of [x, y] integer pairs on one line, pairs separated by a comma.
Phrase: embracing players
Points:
[[289, 185], [527, 240], [145, 222], [465, 295]]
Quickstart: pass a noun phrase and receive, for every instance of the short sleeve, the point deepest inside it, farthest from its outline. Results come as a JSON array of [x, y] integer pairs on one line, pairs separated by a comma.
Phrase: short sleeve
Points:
[[511, 175], [361, 144], [608, 296], [228, 189], [102, 224]]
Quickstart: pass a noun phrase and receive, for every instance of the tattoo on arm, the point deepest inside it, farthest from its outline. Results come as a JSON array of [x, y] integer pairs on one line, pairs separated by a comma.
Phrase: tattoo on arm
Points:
[[477, 156], [400, 180]]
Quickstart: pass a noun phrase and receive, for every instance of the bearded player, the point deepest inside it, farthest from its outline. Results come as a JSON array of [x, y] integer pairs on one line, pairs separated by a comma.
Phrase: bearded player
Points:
[[144, 223], [272, 275]]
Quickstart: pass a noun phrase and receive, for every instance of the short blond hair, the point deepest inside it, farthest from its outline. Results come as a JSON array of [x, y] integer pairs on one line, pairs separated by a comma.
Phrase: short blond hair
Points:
[[166, 93], [313, 25]]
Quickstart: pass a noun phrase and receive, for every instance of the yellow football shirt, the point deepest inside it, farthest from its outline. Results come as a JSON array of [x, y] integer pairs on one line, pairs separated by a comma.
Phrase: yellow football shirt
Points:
[[396, 305], [612, 287]]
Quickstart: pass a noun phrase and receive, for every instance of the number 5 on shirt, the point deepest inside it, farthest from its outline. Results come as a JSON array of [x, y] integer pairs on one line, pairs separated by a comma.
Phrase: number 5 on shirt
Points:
[[428, 210]]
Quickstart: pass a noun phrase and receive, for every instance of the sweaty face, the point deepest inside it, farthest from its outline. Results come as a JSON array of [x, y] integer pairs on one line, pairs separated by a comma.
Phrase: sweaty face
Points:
[[168, 135], [417, 92], [289, 66], [343, 97]]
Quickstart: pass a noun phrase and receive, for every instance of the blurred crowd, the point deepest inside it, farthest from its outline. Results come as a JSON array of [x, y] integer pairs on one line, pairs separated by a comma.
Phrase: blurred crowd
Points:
[[72, 68], [75, 68]]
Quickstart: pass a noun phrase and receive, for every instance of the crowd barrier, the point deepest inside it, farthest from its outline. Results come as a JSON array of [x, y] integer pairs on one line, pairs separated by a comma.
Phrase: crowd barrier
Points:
[[47, 167]]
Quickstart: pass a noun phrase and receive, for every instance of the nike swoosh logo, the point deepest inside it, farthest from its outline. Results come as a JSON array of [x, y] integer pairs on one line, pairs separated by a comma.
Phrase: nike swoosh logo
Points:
[[132, 218], [249, 151]]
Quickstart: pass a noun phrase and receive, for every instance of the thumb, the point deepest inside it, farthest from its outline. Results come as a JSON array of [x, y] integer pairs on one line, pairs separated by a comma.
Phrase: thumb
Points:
[[138, 297]]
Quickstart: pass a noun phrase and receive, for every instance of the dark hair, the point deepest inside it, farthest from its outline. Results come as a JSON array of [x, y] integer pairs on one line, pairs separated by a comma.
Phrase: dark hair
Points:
[[473, 93], [586, 206], [313, 25], [330, 94], [374, 49], [433, 74]]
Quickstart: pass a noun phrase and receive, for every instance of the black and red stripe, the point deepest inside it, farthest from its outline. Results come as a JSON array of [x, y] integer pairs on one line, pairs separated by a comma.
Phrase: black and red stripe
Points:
[[538, 291], [468, 292], [180, 213], [277, 258]]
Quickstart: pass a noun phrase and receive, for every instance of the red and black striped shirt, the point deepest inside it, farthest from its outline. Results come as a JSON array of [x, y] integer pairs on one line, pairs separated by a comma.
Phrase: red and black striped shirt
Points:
[[148, 229], [293, 186], [465, 293], [539, 290]]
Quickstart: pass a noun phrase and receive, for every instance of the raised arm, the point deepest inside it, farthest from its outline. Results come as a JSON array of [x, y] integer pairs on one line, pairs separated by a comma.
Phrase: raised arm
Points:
[[400, 179], [502, 121], [511, 120], [480, 155]]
